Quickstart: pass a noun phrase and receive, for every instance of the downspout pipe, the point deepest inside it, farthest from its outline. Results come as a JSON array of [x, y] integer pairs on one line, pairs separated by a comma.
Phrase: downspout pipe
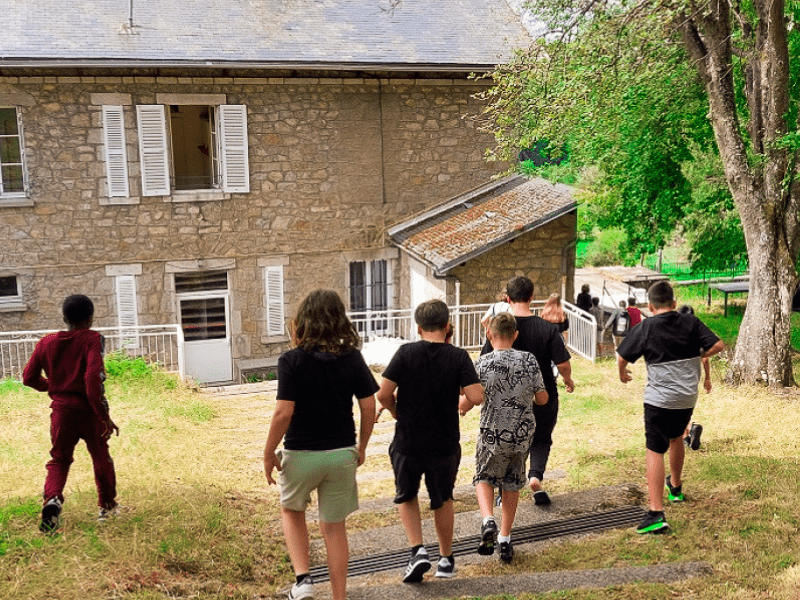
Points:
[[457, 307]]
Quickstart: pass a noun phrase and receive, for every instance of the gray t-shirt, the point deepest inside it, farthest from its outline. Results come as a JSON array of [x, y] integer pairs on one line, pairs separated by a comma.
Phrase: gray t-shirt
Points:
[[511, 378]]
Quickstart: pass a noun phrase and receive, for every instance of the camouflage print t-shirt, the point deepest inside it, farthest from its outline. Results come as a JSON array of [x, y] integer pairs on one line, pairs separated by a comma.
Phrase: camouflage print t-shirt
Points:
[[511, 378]]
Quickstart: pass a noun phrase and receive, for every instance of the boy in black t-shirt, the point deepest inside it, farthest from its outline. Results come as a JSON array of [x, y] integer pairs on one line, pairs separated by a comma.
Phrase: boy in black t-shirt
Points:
[[673, 345], [421, 388]]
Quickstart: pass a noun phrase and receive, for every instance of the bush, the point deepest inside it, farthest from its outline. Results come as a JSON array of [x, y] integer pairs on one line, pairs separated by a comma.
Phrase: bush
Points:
[[605, 249]]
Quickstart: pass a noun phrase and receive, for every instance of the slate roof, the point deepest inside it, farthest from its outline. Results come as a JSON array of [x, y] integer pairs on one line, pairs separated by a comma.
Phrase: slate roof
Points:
[[393, 34], [481, 220]]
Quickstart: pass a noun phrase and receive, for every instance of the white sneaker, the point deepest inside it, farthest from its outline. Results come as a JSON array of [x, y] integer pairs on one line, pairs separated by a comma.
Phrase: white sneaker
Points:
[[106, 513], [304, 589]]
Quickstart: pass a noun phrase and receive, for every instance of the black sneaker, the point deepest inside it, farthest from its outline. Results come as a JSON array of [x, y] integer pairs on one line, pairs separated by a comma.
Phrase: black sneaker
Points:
[[695, 432], [51, 513], [488, 538], [304, 589], [674, 492], [506, 552], [446, 567], [653, 522], [418, 565]]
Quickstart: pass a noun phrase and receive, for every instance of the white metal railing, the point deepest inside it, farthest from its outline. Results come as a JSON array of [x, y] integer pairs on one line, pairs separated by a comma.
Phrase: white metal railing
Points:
[[157, 344], [467, 329]]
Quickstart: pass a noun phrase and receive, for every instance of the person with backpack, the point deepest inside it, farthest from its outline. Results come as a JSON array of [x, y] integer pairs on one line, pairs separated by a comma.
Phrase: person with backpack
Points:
[[619, 323]]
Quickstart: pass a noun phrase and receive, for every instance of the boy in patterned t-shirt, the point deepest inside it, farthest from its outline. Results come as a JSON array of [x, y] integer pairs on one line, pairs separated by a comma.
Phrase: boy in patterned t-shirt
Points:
[[513, 383]]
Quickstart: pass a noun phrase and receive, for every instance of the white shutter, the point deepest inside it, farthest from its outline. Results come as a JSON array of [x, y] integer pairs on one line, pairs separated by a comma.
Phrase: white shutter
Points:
[[116, 157], [153, 149], [233, 147], [275, 316], [127, 314]]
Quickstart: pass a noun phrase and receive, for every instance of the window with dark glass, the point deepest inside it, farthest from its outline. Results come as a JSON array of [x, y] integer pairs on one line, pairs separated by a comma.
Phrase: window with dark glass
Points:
[[12, 180]]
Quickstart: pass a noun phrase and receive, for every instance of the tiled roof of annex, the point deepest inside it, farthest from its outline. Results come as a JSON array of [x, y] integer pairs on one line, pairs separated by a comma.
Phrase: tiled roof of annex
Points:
[[480, 220], [392, 34]]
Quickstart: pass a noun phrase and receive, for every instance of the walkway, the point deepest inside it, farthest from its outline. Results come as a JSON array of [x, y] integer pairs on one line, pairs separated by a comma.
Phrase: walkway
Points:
[[259, 399]]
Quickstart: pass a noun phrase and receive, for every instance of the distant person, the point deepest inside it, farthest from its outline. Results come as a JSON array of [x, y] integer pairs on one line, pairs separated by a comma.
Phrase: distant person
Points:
[[633, 312], [584, 299], [691, 438], [317, 381], [501, 305], [619, 323], [72, 362], [598, 313], [513, 383], [673, 345], [421, 388], [553, 312], [542, 339]]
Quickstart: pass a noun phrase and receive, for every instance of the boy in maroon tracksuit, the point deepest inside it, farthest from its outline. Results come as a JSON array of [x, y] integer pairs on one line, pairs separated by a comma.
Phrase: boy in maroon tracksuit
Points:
[[72, 362]]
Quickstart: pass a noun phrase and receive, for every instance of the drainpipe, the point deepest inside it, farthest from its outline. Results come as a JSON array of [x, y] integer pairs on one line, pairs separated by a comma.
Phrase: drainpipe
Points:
[[565, 268], [457, 307]]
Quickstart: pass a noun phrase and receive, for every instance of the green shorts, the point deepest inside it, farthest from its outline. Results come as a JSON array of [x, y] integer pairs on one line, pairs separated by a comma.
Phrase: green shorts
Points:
[[331, 472]]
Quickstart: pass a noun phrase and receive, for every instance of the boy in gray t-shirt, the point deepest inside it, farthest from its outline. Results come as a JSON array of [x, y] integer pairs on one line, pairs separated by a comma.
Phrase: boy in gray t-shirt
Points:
[[513, 383]]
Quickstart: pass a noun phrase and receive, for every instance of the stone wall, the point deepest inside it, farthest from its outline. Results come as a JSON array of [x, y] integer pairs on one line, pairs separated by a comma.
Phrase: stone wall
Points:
[[332, 163], [546, 255]]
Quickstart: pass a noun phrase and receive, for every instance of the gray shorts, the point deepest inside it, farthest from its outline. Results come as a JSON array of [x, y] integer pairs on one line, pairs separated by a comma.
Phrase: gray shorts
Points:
[[331, 472], [505, 471]]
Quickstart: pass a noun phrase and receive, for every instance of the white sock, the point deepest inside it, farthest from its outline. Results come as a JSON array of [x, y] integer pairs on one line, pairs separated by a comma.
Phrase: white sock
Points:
[[487, 519], [503, 538]]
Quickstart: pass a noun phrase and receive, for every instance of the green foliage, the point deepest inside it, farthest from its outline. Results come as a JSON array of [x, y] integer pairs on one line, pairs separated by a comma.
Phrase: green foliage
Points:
[[605, 248], [125, 370], [8, 386]]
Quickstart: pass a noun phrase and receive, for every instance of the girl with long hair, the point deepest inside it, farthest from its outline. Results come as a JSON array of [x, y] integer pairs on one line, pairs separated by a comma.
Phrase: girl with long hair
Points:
[[317, 381], [553, 312]]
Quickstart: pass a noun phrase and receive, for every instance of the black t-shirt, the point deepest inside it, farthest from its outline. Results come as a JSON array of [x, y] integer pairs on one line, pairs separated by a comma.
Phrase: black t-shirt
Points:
[[544, 341], [429, 378], [322, 386], [667, 337]]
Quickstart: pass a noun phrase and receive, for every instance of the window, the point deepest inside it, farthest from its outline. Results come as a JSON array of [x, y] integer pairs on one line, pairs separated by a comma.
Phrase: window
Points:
[[273, 277], [9, 290], [12, 165], [370, 291], [203, 305], [201, 148]]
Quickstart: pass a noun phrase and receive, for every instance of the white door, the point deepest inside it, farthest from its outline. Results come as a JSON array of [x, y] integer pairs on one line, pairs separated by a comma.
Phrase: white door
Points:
[[206, 331]]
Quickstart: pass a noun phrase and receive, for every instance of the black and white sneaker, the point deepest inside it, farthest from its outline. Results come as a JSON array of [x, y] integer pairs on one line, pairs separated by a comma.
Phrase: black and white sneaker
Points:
[[506, 552], [695, 431], [488, 538], [418, 565], [51, 513], [446, 567], [304, 589]]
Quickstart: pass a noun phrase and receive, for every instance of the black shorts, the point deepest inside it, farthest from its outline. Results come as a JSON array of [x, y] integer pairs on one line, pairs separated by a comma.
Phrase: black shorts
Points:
[[440, 476], [661, 425]]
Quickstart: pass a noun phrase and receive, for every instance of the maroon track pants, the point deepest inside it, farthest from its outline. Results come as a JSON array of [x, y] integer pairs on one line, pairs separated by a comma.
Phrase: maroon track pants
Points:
[[67, 428]]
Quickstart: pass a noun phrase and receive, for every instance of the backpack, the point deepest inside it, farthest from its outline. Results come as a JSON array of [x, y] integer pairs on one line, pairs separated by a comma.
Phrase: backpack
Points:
[[623, 322]]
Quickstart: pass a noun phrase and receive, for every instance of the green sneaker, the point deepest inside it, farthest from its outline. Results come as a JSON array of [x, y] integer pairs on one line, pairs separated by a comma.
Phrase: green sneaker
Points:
[[653, 522], [674, 493]]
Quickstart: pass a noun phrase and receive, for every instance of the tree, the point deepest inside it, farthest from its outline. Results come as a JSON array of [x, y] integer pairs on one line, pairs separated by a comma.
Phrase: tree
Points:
[[622, 44]]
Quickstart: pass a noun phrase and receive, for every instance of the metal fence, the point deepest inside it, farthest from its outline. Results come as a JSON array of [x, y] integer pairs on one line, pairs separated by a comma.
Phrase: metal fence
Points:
[[684, 271], [161, 345], [468, 333]]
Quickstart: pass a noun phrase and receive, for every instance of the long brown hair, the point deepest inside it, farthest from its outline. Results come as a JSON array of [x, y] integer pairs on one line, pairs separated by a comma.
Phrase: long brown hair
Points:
[[553, 311], [321, 323]]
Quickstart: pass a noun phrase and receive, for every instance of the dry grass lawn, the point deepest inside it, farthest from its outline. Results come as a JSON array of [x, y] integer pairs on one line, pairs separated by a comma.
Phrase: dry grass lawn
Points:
[[201, 523]]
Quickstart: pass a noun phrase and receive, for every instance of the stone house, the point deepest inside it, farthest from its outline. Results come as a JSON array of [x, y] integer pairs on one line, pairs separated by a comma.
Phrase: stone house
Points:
[[208, 163]]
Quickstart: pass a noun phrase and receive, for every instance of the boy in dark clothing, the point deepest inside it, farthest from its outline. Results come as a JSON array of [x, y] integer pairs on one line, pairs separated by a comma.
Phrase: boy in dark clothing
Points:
[[673, 345], [421, 388], [72, 362], [543, 340]]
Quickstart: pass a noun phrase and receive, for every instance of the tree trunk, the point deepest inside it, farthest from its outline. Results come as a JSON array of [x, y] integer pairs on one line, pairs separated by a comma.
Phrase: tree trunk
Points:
[[760, 186]]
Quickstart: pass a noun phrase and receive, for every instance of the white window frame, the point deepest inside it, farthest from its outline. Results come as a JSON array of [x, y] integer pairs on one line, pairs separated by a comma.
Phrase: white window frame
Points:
[[368, 268], [115, 151], [12, 300], [127, 310], [21, 140], [232, 147], [274, 301]]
